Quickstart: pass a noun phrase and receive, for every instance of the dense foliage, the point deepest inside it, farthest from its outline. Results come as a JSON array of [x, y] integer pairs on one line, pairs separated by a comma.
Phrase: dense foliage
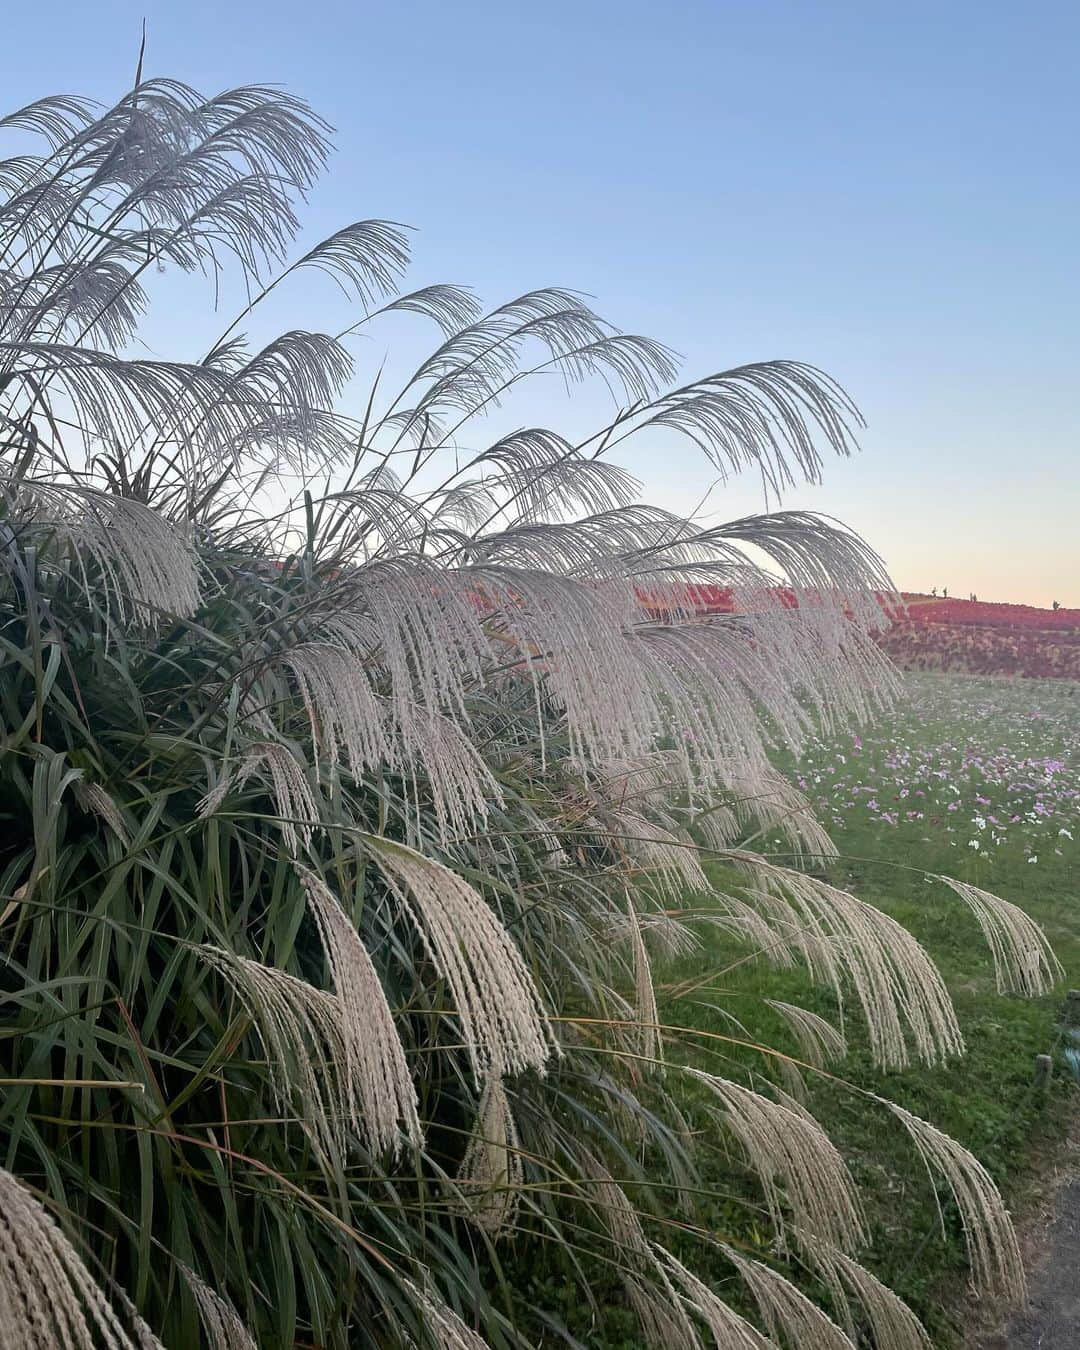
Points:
[[351, 773]]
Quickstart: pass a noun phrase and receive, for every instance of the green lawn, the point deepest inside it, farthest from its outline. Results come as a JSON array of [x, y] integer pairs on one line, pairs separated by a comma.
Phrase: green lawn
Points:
[[979, 779]]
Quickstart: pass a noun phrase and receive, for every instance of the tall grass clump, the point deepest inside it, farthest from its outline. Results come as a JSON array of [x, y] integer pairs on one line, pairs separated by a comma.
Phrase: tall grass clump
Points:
[[353, 765]]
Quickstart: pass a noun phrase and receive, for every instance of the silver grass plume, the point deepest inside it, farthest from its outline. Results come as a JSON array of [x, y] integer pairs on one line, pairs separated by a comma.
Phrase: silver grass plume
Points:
[[93, 799], [1024, 962], [382, 1090], [221, 1323], [146, 562], [491, 1172], [341, 706], [300, 1029], [892, 1324], [993, 1252], [819, 1041], [645, 1009], [443, 1326], [48, 1299], [788, 1314], [846, 942], [795, 1161], [664, 1321], [294, 800], [503, 1021], [728, 1330]]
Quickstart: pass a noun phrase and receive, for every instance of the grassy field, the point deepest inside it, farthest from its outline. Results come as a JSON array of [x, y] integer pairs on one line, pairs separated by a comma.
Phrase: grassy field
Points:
[[975, 778]]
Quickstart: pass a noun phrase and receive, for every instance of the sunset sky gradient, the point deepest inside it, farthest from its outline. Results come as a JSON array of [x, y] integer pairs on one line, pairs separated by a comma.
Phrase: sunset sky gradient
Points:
[[889, 192]]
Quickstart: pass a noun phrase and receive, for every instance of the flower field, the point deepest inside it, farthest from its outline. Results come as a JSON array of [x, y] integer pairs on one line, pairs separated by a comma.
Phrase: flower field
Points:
[[976, 765], [977, 779]]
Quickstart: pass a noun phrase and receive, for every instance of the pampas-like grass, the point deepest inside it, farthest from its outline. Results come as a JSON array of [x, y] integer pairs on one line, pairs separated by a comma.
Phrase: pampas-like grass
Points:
[[93, 798], [819, 1041], [222, 1325], [475, 642], [788, 1314], [728, 1329], [892, 1323], [445, 1328], [505, 1026], [664, 1321], [645, 1010], [301, 1031], [294, 800], [795, 1161], [381, 1090], [1024, 962], [491, 1172], [992, 1248], [848, 943], [48, 1298]]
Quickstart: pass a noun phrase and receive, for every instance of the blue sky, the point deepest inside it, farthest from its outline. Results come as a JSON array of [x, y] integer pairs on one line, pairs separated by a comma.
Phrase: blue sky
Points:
[[890, 192]]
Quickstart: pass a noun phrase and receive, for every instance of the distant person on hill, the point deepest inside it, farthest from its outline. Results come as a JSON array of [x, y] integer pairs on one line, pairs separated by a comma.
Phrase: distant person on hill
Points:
[[1055, 605], [945, 592], [934, 592]]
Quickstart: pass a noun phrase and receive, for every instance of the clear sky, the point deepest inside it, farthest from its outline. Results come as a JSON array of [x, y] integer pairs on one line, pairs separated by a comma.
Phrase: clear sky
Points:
[[888, 191]]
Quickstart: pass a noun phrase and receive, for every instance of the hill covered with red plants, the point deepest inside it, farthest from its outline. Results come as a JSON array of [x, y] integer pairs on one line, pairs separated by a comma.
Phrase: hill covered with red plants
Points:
[[948, 634], [984, 638]]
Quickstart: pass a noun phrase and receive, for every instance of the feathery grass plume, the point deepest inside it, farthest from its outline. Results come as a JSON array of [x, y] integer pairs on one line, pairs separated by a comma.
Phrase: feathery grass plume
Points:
[[729, 1331], [341, 706], [788, 1314], [892, 1324], [48, 1299], [93, 799], [645, 1010], [443, 1326], [504, 1024], [764, 797], [844, 941], [301, 1031], [145, 563], [462, 789], [993, 1252], [795, 1161], [491, 1172], [294, 800], [649, 1290], [1024, 962], [671, 863], [221, 1323], [819, 1041], [375, 1070]]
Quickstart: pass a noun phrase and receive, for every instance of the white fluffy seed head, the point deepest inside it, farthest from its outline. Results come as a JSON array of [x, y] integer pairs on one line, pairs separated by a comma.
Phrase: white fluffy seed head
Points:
[[48, 1299], [1024, 961], [851, 945], [504, 1024], [381, 1090], [491, 1172], [444, 1326], [222, 1325], [993, 1251], [728, 1329], [317, 1077], [797, 1164], [789, 1316], [819, 1041], [294, 800]]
